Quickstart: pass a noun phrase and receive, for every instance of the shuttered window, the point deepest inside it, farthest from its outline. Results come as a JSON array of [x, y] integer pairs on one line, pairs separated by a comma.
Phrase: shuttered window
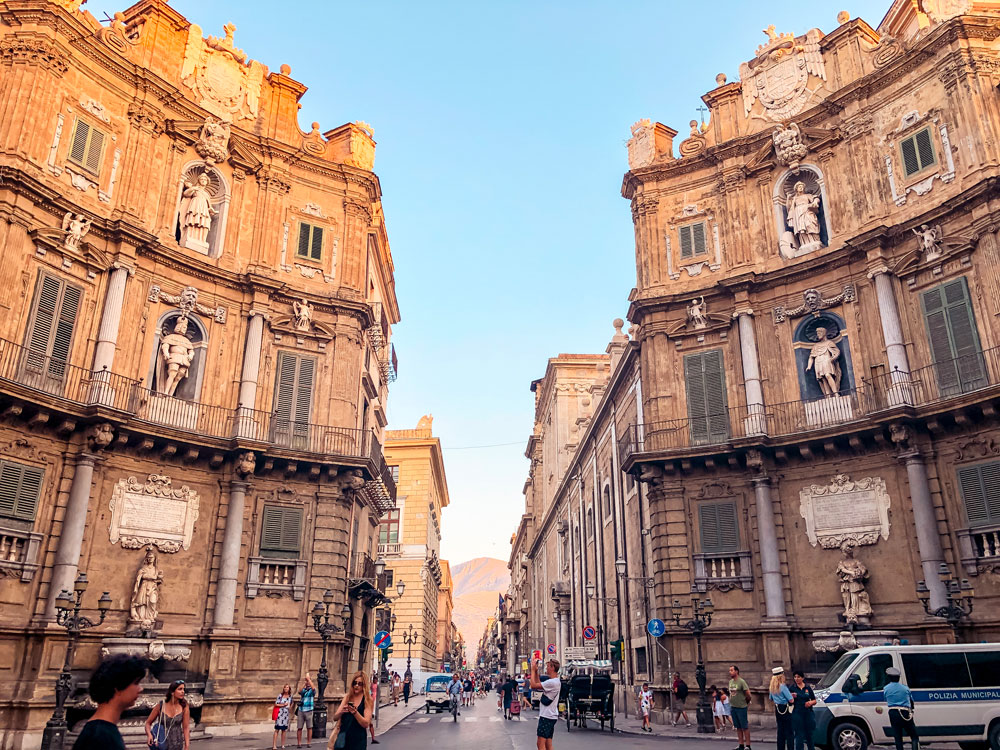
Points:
[[395, 473], [20, 490], [87, 146], [281, 532], [719, 527], [918, 152], [310, 241], [980, 488], [693, 240], [953, 338], [293, 390], [53, 319], [706, 397]]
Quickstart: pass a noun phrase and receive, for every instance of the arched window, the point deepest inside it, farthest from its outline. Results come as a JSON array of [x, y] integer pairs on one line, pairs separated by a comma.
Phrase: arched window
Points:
[[607, 500]]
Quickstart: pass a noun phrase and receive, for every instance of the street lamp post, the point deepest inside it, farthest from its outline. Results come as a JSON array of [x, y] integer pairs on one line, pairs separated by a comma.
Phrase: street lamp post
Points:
[[409, 638], [959, 599], [701, 618], [68, 616], [400, 588], [322, 625]]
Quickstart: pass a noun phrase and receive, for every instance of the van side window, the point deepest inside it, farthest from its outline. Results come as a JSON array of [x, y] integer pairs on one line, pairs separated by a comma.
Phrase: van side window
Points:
[[985, 668], [941, 669], [872, 671]]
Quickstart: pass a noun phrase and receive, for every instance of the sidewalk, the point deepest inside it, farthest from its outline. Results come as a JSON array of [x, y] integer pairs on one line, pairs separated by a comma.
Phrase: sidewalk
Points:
[[389, 716], [633, 725]]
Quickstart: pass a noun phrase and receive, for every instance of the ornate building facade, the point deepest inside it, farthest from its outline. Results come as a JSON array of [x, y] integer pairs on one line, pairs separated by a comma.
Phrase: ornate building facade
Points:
[[195, 354], [815, 311]]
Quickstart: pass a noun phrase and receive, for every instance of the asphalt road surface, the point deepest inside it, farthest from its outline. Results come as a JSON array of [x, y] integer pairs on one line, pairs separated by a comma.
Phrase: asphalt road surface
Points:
[[482, 727]]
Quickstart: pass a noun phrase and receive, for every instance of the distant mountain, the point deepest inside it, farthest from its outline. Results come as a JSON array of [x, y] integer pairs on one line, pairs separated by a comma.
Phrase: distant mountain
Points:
[[478, 585]]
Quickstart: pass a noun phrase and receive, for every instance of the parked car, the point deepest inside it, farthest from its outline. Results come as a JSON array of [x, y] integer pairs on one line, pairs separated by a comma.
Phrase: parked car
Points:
[[955, 687], [437, 693]]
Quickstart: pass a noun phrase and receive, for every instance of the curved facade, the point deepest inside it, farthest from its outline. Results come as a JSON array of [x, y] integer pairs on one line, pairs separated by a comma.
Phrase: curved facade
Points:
[[815, 309], [195, 354]]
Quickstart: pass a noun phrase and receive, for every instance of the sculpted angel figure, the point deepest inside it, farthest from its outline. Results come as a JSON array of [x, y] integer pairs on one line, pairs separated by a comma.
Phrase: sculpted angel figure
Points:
[[176, 356], [803, 215], [696, 313], [930, 240], [145, 605], [303, 314], [76, 228], [823, 361], [853, 574], [198, 212]]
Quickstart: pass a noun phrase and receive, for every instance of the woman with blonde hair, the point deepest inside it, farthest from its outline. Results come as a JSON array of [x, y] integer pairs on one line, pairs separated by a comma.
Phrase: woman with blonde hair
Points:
[[354, 716], [783, 701], [282, 706]]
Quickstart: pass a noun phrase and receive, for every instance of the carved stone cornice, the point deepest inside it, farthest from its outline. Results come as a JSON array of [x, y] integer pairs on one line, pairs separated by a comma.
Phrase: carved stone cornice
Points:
[[147, 118], [32, 49]]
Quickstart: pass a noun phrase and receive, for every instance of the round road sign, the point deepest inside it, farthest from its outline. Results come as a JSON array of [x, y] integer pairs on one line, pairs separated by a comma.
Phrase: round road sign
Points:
[[382, 639], [656, 627], [589, 633], [551, 648]]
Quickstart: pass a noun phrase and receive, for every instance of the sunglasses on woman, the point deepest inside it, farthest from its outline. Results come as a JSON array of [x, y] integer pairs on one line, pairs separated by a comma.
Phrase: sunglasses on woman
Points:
[[357, 683]]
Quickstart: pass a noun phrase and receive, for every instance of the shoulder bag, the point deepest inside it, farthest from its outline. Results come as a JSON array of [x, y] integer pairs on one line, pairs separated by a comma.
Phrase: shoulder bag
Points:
[[159, 732]]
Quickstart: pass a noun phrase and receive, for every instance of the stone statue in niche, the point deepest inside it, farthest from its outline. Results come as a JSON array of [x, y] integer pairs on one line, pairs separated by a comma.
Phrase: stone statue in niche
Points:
[[176, 355], [696, 313], [803, 217], [76, 228], [823, 361], [930, 241], [197, 214], [303, 314], [145, 604], [853, 574]]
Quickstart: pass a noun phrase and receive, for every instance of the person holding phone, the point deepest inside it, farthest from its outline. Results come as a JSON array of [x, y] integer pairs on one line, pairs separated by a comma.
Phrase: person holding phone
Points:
[[354, 715], [548, 703]]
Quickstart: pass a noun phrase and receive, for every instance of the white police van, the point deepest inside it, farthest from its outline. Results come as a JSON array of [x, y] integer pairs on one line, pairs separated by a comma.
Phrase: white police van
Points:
[[956, 695]]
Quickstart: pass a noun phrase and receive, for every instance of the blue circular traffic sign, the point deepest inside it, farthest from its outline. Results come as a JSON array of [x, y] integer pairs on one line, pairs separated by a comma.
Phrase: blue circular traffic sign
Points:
[[382, 639], [656, 627], [589, 633]]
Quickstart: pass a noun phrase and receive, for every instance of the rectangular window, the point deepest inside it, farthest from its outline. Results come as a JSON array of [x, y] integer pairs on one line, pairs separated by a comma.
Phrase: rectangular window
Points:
[[984, 666], [693, 240], [389, 579], [87, 147], [980, 488], [706, 397], [293, 391], [918, 152], [932, 671], [388, 529], [310, 242], [20, 490], [281, 532], [53, 319], [718, 524], [953, 338], [871, 672], [395, 473], [640, 660]]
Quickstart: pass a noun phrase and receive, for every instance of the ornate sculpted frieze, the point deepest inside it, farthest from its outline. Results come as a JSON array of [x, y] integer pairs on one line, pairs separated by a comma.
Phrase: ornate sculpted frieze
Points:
[[216, 71], [812, 302], [187, 302], [33, 51]]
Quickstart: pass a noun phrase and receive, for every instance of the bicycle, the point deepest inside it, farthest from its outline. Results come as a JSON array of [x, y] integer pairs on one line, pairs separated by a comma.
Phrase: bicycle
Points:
[[454, 706]]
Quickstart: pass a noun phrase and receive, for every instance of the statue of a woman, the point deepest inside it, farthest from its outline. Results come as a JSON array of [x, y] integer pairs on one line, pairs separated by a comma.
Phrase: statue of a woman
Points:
[[853, 574], [198, 213], [803, 217], [145, 604]]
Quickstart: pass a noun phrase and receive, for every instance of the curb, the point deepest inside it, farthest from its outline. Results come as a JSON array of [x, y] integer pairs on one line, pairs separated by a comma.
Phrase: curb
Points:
[[684, 736], [387, 726]]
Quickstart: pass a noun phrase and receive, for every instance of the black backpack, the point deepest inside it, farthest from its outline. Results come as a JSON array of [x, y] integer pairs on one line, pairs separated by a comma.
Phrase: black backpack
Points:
[[682, 689]]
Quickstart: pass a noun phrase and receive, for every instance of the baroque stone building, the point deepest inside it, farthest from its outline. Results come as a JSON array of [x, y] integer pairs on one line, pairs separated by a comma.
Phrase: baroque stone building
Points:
[[195, 352], [815, 311]]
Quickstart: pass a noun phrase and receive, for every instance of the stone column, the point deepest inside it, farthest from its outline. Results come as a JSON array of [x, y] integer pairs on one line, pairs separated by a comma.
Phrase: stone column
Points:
[[107, 337], [67, 560], [892, 332], [248, 427], [925, 519], [770, 561], [755, 423], [229, 565]]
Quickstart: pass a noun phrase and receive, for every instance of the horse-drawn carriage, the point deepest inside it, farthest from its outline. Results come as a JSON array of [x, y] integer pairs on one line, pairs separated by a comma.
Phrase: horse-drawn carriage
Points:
[[588, 692]]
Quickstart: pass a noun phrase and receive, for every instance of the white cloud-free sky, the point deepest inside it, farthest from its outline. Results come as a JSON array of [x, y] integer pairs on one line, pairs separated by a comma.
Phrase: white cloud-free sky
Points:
[[501, 131]]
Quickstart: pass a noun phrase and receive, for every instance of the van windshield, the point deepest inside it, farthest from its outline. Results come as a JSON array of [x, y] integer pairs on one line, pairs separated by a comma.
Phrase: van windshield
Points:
[[842, 664]]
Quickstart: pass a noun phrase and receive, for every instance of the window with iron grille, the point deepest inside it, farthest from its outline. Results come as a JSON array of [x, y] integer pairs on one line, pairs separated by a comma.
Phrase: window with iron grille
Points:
[[310, 242], [705, 382], [20, 490], [87, 147], [918, 152], [281, 532], [953, 338]]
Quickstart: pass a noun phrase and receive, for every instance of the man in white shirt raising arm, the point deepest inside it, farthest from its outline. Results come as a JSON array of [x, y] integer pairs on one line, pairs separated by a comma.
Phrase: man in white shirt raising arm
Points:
[[548, 705]]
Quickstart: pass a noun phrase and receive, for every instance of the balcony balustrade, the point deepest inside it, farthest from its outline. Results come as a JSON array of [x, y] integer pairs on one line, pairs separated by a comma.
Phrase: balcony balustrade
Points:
[[19, 553], [276, 576], [932, 385], [362, 567]]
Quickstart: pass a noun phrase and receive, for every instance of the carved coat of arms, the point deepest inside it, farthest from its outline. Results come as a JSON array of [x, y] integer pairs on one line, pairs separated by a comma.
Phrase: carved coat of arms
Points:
[[641, 146], [225, 82], [779, 76]]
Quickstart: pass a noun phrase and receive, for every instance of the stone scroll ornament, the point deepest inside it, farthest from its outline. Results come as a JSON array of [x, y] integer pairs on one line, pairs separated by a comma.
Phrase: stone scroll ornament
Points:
[[813, 301], [187, 302], [845, 511], [153, 513]]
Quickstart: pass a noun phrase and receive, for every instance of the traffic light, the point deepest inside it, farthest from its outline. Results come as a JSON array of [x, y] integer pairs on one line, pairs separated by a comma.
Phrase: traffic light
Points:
[[616, 649]]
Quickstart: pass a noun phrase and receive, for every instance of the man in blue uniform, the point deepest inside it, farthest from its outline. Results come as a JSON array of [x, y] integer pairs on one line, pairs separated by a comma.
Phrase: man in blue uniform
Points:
[[900, 704]]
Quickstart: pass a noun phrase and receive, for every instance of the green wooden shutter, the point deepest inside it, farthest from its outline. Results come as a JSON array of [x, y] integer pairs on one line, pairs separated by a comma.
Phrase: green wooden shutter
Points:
[[698, 238], [78, 149], [281, 532], [317, 243], [706, 397], [304, 390], [46, 304], [20, 490], [95, 150], [62, 334], [980, 488], [917, 152], [953, 338], [284, 391], [925, 148], [303, 249], [687, 242], [719, 527], [911, 163], [57, 306]]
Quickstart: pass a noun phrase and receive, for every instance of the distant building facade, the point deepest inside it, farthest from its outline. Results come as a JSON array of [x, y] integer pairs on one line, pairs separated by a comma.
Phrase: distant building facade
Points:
[[815, 311], [197, 306], [410, 544]]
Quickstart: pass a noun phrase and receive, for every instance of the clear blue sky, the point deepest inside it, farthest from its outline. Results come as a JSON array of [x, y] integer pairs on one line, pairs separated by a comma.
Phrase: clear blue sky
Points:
[[501, 132]]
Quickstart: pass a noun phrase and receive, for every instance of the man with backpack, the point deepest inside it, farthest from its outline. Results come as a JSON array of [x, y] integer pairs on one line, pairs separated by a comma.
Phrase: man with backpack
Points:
[[680, 691]]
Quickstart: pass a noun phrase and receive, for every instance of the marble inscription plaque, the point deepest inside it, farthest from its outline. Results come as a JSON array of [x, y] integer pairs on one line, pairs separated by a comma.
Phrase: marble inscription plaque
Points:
[[153, 512], [844, 510]]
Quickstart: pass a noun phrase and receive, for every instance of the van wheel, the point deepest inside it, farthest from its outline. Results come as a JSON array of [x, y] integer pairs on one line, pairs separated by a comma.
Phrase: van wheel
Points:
[[995, 736], [849, 737]]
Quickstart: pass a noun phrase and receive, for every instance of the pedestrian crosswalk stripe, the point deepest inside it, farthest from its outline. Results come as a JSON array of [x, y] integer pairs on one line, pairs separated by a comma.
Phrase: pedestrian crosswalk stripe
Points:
[[423, 720], [496, 718], [471, 718]]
